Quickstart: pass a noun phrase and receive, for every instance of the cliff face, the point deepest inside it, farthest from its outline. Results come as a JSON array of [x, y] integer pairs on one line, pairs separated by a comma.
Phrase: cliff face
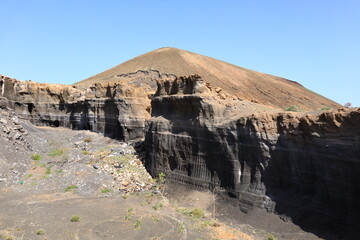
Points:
[[301, 166], [117, 110]]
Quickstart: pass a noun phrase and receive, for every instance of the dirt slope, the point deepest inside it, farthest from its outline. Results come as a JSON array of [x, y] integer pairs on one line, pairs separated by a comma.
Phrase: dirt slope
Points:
[[241, 82], [48, 175]]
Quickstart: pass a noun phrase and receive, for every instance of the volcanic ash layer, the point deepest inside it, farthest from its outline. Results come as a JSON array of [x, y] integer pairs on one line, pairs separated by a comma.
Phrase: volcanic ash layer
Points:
[[300, 165], [114, 109]]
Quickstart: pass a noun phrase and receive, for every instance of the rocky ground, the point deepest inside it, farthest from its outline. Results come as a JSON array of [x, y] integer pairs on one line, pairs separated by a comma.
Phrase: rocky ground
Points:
[[56, 183]]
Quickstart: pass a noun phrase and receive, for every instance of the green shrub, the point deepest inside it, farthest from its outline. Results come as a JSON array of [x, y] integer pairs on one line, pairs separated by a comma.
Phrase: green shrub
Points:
[[158, 206], [181, 228], [155, 219], [75, 218], [270, 237], [40, 232], [35, 157], [48, 170], [129, 214], [137, 225], [70, 188], [161, 178], [105, 190], [56, 152], [325, 108], [195, 212], [293, 109], [209, 223], [86, 152]]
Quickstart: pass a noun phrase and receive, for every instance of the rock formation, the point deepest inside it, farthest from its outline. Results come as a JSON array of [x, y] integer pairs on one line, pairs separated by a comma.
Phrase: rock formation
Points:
[[117, 110], [227, 133], [300, 165], [117, 101]]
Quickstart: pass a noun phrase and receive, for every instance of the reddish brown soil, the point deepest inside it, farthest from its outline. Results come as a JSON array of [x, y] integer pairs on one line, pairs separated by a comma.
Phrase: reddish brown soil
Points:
[[241, 82]]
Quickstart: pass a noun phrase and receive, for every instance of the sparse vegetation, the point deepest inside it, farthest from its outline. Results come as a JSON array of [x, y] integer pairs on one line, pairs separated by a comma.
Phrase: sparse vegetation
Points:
[[209, 223], [70, 188], [293, 109], [105, 190], [86, 152], [88, 139], [75, 218], [158, 206], [161, 178], [40, 232], [129, 214], [155, 219], [325, 108], [56, 152], [270, 237], [48, 171], [35, 157], [29, 175], [195, 212], [159, 182], [137, 224], [181, 228]]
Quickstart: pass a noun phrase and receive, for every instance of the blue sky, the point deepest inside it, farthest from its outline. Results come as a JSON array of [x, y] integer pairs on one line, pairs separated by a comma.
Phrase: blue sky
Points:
[[316, 43]]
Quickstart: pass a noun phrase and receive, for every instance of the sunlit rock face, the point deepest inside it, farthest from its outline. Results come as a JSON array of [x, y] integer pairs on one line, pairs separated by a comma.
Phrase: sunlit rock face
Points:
[[302, 166], [117, 110]]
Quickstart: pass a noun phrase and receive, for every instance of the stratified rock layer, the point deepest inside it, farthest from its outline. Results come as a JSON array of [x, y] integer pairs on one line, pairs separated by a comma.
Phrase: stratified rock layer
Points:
[[117, 110], [302, 166]]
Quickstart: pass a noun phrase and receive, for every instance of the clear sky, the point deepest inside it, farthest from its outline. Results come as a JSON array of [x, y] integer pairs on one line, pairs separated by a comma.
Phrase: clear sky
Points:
[[313, 42]]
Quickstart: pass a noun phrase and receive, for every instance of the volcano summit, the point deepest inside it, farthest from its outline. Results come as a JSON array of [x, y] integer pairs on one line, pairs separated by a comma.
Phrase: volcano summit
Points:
[[240, 82]]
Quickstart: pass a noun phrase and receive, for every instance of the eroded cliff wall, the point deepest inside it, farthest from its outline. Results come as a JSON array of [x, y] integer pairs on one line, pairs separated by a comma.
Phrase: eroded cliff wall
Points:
[[302, 166], [117, 110]]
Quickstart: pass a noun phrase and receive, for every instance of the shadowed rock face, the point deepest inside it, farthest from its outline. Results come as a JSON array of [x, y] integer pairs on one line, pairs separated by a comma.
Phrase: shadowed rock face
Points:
[[304, 167], [117, 110]]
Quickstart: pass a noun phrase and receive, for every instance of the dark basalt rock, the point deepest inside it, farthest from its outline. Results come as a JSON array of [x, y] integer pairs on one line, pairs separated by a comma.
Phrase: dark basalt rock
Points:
[[303, 167]]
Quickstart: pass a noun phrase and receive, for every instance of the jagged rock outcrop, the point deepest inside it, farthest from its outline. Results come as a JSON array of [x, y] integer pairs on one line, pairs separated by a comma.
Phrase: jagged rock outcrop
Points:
[[302, 166], [115, 109]]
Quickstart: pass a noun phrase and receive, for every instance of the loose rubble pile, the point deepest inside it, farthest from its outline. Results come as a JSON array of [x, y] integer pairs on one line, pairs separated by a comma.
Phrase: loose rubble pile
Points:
[[123, 163], [127, 169], [12, 131], [42, 159]]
